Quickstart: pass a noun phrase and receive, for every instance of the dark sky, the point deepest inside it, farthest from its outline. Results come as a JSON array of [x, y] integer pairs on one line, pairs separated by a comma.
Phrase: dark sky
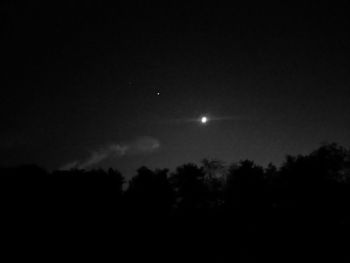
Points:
[[79, 82]]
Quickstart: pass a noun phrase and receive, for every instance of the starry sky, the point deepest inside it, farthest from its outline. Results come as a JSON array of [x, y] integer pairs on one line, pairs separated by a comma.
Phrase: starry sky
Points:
[[93, 85]]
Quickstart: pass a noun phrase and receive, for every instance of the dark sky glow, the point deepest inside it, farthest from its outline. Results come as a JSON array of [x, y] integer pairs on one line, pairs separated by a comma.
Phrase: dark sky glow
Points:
[[272, 79]]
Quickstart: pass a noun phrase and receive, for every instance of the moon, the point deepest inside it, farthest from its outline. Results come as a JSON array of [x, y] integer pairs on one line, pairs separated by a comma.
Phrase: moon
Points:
[[204, 120]]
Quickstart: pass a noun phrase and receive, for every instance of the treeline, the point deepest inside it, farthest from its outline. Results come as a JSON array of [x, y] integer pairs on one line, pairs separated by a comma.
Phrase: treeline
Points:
[[319, 180], [307, 194]]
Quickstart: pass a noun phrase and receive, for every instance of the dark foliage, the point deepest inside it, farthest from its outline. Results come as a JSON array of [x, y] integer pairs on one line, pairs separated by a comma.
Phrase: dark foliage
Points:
[[247, 213], [149, 193]]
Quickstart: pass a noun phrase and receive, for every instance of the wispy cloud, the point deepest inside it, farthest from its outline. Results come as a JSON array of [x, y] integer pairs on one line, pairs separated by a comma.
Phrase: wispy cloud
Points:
[[141, 145]]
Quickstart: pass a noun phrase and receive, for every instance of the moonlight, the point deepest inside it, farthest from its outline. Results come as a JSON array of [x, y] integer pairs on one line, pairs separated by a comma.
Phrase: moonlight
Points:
[[204, 120]]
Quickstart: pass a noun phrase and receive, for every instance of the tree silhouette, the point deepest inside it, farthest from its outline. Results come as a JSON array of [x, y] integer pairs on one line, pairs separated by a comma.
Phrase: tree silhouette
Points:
[[244, 185], [212, 168], [314, 181], [190, 188], [149, 192], [330, 162], [214, 178], [308, 195]]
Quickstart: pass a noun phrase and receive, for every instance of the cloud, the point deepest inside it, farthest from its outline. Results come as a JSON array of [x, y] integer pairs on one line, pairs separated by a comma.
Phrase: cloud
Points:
[[141, 145], [69, 166]]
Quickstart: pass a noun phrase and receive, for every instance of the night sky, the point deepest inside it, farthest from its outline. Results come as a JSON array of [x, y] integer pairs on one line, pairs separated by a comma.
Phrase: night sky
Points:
[[89, 85]]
